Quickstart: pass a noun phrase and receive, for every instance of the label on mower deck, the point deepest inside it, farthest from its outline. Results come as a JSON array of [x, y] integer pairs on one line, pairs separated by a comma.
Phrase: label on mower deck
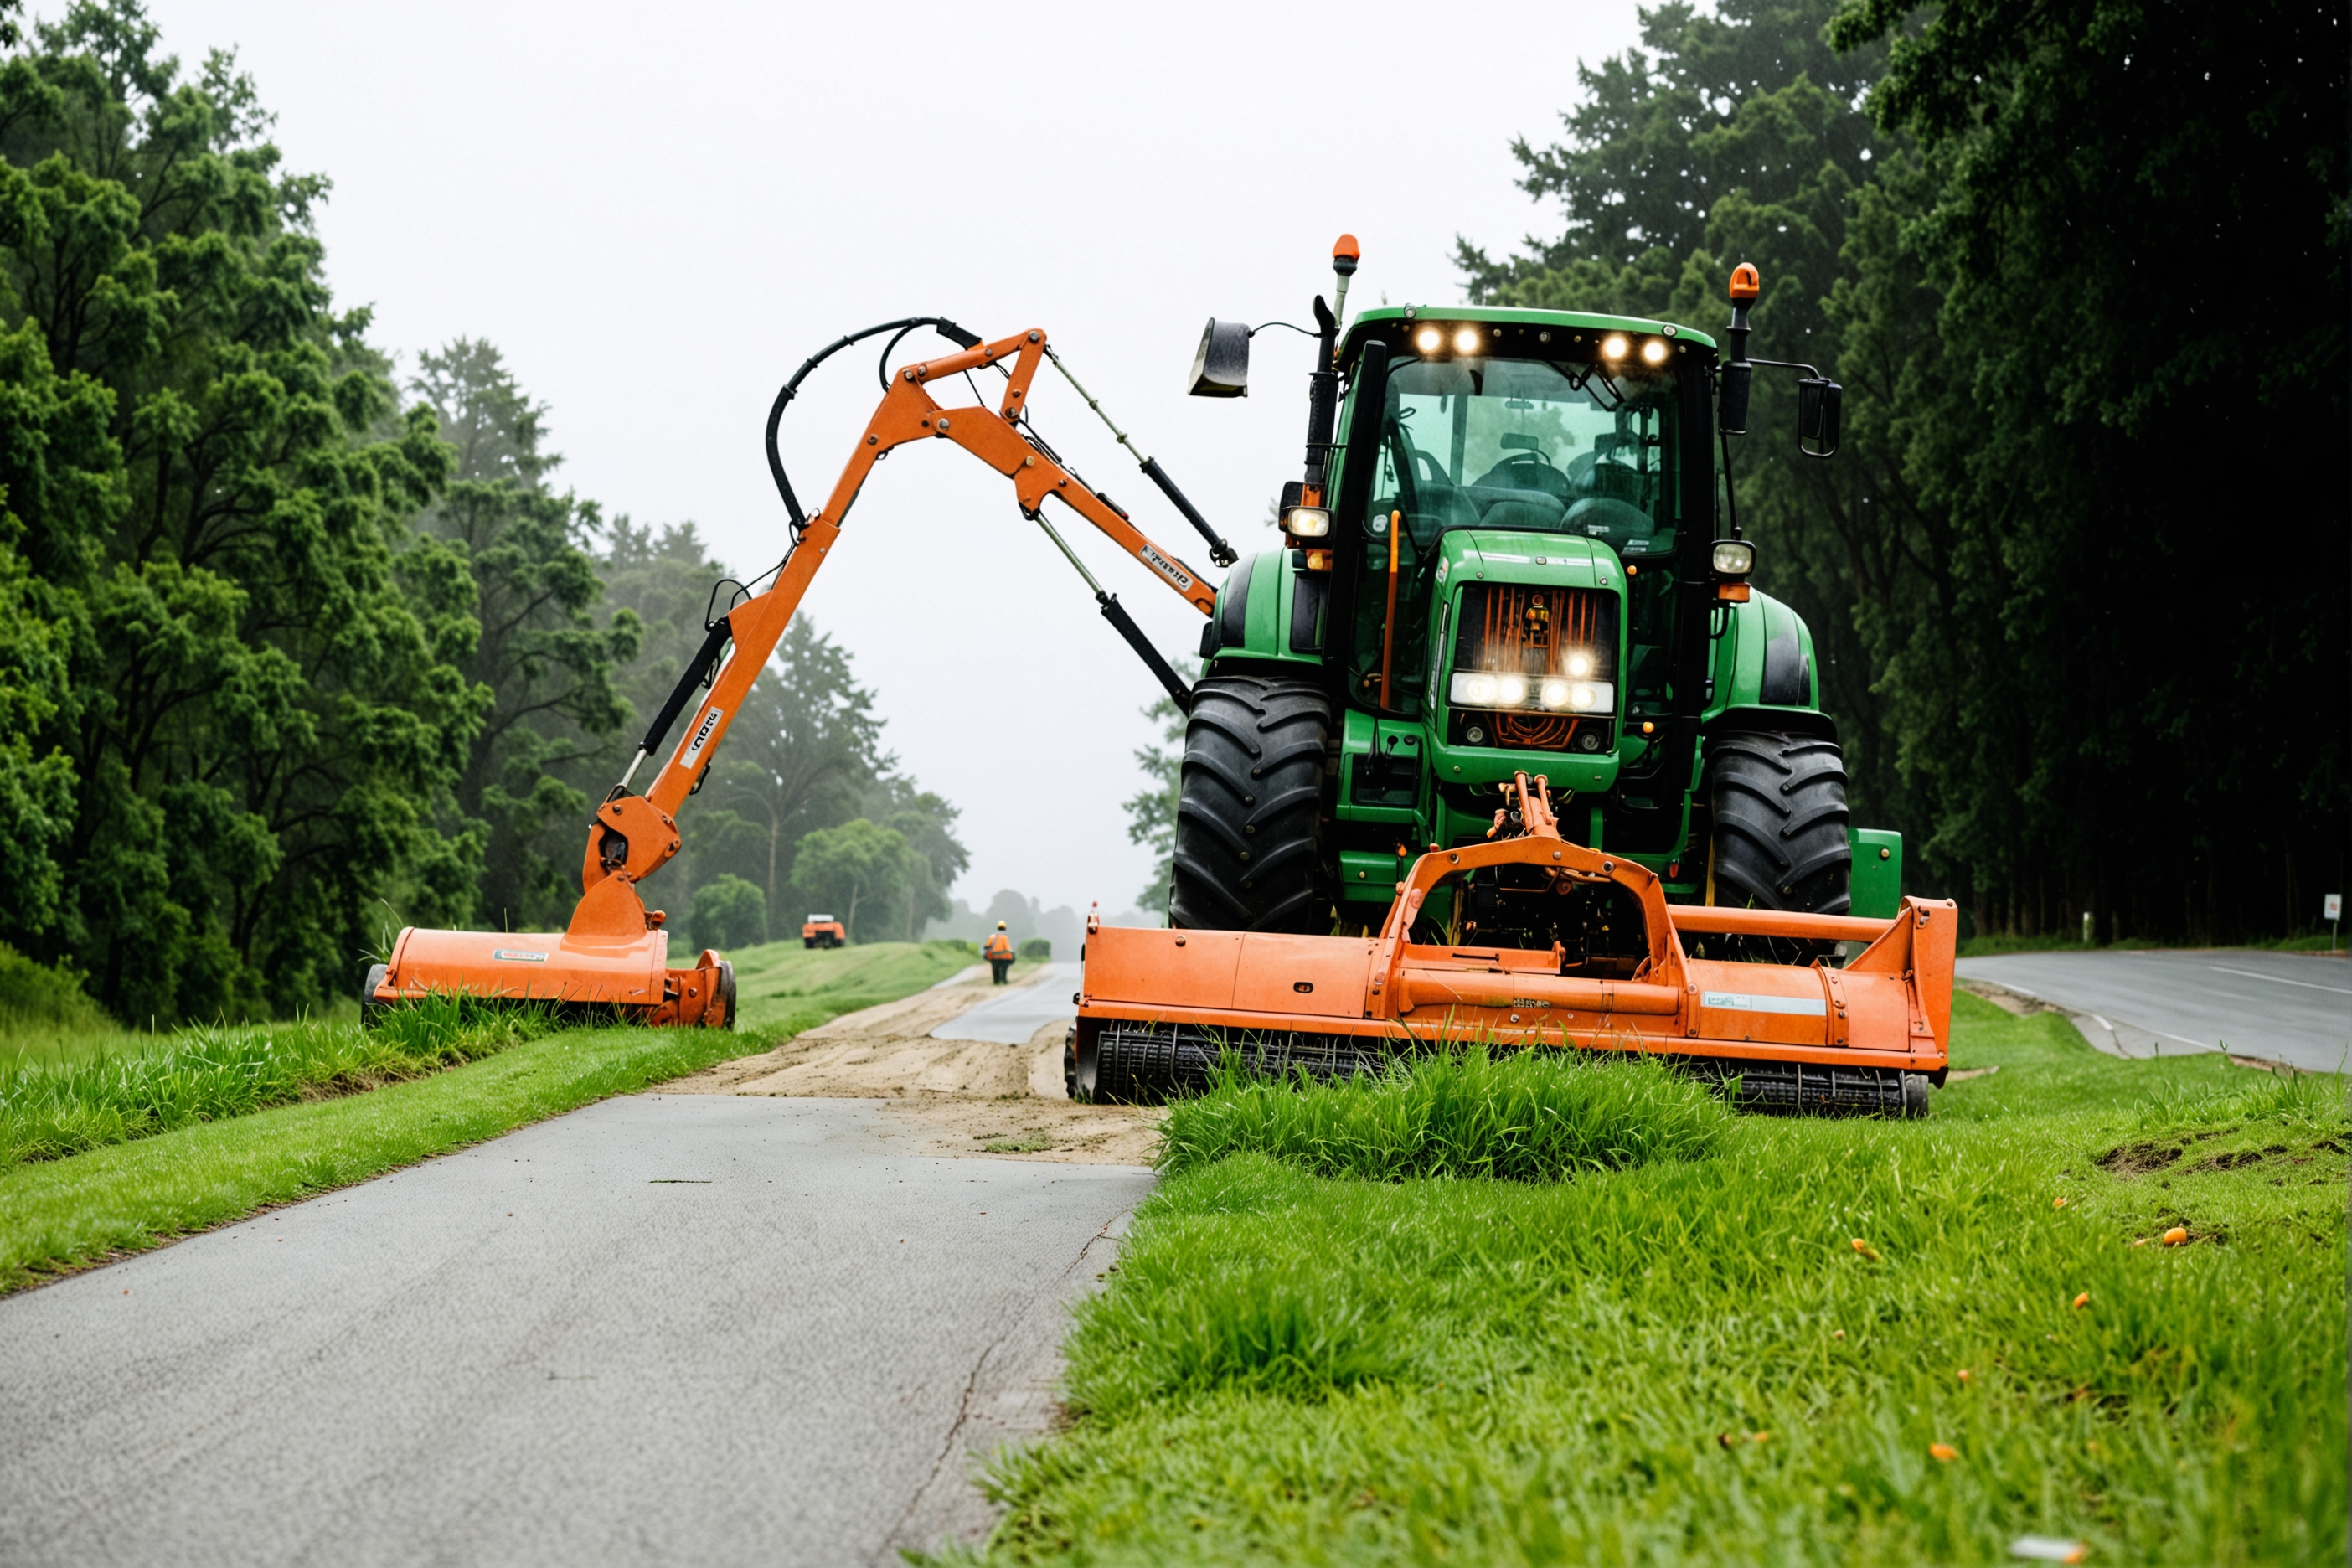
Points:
[[514, 955], [1165, 567], [1739, 1001], [702, 736]]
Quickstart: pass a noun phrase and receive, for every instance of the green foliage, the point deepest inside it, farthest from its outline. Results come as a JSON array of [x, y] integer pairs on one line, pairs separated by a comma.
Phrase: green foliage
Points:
[[44, 997], [1520, 1116], [857, 863], [57, 1215], [281, 662], [729, 912], [204, 478], [1036, 950], [1151, 811], [1960, 215], [1294, 1369], [212, 1072], [540, 651]]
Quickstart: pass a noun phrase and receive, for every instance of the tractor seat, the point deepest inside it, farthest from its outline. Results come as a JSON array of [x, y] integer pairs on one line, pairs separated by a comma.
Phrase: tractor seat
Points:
[[1526, 511], [1614, 523]]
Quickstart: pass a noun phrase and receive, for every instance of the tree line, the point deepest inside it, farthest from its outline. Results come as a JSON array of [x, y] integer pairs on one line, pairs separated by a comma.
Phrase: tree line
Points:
[[293, 652], [2078, 581]]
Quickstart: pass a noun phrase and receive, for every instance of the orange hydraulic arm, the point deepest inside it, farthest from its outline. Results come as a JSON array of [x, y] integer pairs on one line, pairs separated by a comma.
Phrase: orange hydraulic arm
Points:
[[634, 835]]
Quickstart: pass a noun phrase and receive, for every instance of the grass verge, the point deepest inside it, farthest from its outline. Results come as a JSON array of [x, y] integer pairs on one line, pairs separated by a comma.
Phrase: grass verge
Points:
[[179, 1135], [1519, 1116], [212, 1073], [1690, 1360], [781, 985]]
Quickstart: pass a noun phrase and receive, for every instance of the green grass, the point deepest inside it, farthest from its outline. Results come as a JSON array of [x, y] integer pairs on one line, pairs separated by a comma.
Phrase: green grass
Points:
[[1993, 946], [142, 1137], [783, 985], [1519, 1116], [59, 1213], [45, 1014], [212, 1073], [1293, 1368]]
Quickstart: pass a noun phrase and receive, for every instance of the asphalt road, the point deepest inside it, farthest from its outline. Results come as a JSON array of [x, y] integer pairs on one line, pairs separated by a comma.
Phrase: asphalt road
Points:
[[2284, 1007], [1014, 1018], [694, 1329]]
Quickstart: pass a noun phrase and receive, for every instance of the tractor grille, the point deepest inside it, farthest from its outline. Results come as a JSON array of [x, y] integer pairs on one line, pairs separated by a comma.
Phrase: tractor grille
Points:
[[1535, 631]]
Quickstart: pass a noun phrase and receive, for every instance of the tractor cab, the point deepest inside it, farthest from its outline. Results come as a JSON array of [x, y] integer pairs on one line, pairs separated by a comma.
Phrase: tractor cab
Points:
[[1512, 522]]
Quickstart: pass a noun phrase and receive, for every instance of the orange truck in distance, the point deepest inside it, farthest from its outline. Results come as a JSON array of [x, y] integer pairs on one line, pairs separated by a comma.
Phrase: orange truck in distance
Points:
[[823, 930]]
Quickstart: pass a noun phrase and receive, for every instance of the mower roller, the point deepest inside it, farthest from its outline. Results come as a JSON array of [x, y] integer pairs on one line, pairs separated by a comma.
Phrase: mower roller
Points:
[[1513, 557]]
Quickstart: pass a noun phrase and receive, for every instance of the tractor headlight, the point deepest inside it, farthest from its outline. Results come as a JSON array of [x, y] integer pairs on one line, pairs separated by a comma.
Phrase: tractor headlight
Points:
[[1428, 339], [1552, 693], [1578, 663], [1734, 558], [1465, 342], [1653, 352], [1307, 522], [1613, 346]]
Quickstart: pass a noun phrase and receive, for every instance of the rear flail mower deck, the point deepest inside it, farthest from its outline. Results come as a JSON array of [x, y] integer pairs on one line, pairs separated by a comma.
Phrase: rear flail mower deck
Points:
[[1160, 1009]]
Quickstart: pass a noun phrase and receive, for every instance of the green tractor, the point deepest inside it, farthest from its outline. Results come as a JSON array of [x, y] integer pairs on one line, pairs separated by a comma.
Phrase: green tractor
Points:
[[1514, 549]]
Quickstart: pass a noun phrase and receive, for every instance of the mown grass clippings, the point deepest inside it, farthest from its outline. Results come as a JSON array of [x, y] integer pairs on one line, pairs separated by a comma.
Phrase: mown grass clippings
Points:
[[1290, 1368], [1521, 1116]]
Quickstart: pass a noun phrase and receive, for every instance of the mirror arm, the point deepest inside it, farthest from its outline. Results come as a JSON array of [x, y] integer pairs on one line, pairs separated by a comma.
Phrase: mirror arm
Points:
[[1322, 395]]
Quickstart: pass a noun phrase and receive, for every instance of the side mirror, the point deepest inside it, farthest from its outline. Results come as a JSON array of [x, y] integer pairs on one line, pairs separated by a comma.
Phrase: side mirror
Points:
[[1820, 402], [1731, 398], [1222, 367]]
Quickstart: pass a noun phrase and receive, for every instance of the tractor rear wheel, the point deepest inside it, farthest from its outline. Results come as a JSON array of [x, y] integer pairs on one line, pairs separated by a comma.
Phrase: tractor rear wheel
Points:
[[1249, 811], [1779, 820]]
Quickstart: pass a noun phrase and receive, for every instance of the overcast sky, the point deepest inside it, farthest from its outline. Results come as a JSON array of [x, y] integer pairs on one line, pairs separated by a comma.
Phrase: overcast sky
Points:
[[659, 212]]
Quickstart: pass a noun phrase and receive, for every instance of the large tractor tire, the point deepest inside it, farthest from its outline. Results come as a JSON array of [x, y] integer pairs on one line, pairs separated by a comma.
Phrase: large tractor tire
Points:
[[1249, 812], [1777, 802]]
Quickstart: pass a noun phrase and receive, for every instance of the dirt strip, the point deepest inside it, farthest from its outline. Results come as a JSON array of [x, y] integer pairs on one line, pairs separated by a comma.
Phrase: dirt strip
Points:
[[970, 1097]]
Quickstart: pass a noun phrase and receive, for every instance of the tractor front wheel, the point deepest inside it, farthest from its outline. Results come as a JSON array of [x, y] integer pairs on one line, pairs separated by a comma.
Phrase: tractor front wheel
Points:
[[1249, 811], [1779, 806]]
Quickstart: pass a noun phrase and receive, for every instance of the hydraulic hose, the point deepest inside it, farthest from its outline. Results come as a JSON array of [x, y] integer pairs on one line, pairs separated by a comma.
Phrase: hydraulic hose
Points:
[[947, 329]]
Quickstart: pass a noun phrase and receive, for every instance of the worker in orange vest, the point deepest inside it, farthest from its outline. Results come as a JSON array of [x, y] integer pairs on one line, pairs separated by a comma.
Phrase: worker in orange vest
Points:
[[998, 953]]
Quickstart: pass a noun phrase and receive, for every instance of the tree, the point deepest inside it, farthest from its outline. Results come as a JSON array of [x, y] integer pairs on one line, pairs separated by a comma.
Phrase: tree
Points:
[[856, 863], [729, 912], [2016, 233], [2095, 171], [541, 654], [802, 751], [927, 822], [207, 477], [1151, 811]]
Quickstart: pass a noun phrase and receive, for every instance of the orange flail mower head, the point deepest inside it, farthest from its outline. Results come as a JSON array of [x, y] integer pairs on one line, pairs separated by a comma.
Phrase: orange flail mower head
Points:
[[600, 965], [1159, 1008]]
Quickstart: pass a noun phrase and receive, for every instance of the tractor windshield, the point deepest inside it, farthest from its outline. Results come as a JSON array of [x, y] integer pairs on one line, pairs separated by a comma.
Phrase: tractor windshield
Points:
[[1529, 445]]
